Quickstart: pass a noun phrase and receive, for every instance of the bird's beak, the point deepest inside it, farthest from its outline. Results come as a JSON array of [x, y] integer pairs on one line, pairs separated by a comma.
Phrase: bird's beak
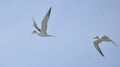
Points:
[[32, 32]]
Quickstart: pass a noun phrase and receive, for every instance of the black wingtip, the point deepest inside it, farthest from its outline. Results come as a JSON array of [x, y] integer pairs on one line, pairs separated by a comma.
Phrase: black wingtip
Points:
[[50, 9], [103, 55]]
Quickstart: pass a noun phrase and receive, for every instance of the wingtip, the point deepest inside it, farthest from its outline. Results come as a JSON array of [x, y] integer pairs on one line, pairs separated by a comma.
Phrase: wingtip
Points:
[[103, 55], [49, 11], [51, 7], [33, 21], [114, 43]]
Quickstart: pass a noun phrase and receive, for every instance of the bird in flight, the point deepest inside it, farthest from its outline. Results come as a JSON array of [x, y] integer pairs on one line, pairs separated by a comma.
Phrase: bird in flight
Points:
[[42, 32], [99, 39]]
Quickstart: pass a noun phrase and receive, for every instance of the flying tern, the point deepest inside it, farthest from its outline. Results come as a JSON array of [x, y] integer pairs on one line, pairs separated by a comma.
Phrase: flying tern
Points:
[[42, 32], [99, 39]]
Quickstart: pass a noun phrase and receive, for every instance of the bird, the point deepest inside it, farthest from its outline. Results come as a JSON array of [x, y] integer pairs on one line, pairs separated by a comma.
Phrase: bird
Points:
[[42, 32], [103, 38]]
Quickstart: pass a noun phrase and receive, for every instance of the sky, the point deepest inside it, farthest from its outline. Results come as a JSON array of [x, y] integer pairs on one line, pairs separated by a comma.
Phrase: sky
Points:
[[73, 23]]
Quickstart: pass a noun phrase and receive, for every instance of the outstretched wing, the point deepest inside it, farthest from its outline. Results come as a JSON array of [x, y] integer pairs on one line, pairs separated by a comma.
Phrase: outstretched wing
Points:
[[114, 43], [108, 39], [35, 25], [98, 48], [45, 21]]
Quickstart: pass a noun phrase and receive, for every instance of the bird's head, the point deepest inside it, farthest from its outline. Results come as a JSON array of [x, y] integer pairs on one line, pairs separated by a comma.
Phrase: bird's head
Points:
[[96, 37], [34, 32]]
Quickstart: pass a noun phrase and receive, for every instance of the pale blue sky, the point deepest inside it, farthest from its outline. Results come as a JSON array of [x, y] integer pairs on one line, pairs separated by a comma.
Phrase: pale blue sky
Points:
[[74, 23]]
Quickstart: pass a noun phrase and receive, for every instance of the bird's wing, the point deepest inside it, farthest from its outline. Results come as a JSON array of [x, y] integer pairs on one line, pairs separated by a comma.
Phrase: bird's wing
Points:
[[45, 20], [108, 39], [96, 44], [104, 37], [35, 25], [114, 43]]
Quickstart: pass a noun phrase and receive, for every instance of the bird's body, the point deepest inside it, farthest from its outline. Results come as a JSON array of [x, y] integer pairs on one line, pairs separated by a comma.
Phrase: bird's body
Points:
[[99, 39], [42, 32]]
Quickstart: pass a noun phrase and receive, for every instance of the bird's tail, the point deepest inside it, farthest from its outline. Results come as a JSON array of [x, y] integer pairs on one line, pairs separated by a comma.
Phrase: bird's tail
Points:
[[50, 36]]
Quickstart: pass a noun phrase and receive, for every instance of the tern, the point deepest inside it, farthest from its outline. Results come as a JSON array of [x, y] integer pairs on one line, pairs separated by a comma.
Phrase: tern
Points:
[[42, 32], [99, 39]]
